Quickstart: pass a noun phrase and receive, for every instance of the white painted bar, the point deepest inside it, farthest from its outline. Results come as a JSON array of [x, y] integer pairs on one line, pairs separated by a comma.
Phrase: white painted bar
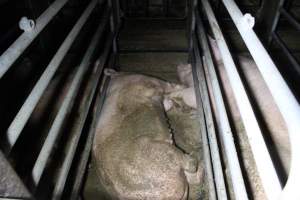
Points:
[[212, 139], [67, 103], [27, 108], [19, 46], [259, 149], [284, 98], [225, 132]]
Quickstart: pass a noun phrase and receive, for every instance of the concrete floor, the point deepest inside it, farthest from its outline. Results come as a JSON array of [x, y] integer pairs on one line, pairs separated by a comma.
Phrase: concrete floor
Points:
[[142, 41]]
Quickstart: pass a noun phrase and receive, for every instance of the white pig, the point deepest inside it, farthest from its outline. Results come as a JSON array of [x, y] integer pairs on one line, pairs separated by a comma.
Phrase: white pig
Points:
[[133, 149]]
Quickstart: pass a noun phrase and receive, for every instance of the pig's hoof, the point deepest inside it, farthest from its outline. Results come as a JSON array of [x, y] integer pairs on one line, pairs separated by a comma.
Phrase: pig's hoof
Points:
[[190, 164], [168, 104]]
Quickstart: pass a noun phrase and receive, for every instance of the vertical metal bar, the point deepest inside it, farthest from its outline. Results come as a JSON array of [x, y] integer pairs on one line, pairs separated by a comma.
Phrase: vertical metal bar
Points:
[[259, 149], [113, 25], [24, 113], [286, 51], [19, 46], [285, 100], [216, 160], [67, 104], [213, 144], [222, 118], [79, 122], [88, 144], [290, 18], [205, 145]]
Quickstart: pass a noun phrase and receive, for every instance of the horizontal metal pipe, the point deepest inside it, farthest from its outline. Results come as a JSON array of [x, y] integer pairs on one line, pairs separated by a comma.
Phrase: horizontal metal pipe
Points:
[[290, 18], [27, 108], [66, 105], [19, 46], [79, 121], [287, 52], [259, 149], [80, 172], [203, 131], [285, 100], [225, 131]]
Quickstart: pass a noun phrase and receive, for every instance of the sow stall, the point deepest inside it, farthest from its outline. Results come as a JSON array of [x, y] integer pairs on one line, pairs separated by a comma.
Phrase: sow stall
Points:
[[59, 53]]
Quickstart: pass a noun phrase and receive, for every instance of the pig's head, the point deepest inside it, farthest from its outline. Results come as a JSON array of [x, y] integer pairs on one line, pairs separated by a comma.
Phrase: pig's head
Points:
[[184, 73]]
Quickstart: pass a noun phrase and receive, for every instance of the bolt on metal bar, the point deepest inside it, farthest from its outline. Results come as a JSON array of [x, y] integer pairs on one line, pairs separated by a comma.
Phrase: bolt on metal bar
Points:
[[79, 122], [213, 143], [27, 108], [88, 144], [19, 46], [203, 131], [287, 52], [285, 100], [259, 149], [290, 18], [67, 104], [222, 120]]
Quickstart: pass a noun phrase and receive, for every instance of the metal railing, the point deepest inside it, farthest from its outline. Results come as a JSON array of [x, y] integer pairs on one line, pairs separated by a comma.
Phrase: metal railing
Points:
[[7, 59], [154, 9], [282, 12], [284, 98]]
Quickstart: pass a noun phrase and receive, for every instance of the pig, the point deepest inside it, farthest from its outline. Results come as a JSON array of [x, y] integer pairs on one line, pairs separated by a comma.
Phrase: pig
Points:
[[187, 94], [133, 151], [183, 117], [275, 128]]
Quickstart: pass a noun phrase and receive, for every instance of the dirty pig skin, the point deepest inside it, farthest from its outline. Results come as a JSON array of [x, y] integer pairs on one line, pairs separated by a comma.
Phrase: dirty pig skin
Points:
[[133, 149]]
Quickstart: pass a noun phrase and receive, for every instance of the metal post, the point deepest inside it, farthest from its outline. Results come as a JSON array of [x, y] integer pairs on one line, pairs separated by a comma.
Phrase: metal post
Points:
[[27, 108], [259, 149], [225, 131], [213, 144], [287, 52], [284, 98], [203, 131], [19, 46], [290, 18], [67, 103]]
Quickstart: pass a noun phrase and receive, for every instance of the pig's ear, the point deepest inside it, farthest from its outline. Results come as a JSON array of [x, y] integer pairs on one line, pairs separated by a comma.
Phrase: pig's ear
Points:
[[110, 72], [215, 49]]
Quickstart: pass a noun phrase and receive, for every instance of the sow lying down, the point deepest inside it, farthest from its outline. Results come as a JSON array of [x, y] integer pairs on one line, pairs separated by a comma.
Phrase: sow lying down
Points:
[[147, 143]]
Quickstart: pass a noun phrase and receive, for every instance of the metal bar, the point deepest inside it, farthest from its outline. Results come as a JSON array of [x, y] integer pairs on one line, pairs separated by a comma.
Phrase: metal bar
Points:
[[66, 105], [213, 144], [290, 18], [259, 149], [79, 122], [221, 117], [275, 20], [88, 145], [27, 108], [285, 100], [287, 52], [216, 160], [19, 46], [203, 131]]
